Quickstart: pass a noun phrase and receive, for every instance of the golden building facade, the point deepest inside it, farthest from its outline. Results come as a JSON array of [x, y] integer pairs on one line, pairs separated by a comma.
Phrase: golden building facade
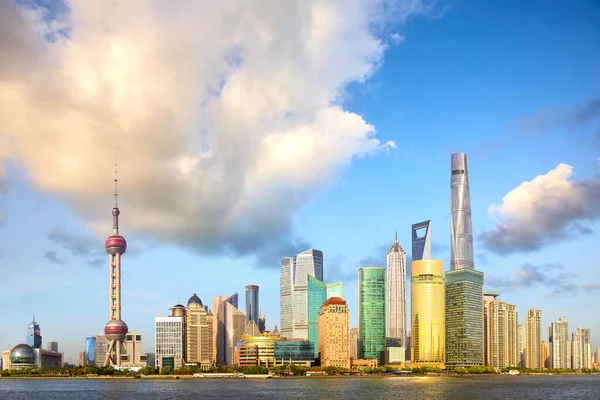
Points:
[[265, 347], [334, 333], [500, 333], [427, 313], [533, 338], [197, 333]]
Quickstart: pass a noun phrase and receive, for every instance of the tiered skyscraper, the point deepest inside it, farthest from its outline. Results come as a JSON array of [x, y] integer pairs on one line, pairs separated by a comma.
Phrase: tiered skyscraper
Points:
[[464, 285], [115, 330], [395, 308]]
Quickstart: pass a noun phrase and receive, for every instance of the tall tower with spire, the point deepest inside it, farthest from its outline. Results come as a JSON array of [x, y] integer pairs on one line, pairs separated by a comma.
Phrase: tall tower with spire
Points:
[[395, 308], [115, 330]]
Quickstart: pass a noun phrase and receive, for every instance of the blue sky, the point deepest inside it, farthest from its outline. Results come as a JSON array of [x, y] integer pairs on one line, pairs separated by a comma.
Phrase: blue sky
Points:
[[512, 85]]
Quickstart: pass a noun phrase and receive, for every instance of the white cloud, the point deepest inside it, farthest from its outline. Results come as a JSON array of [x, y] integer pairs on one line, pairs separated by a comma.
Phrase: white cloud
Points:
[[225, 116], [538, 212], [396, 38]]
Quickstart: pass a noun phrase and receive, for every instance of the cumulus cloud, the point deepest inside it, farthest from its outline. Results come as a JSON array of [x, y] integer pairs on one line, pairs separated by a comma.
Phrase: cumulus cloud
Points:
[[548, 208], [224, 116], [529, 275]]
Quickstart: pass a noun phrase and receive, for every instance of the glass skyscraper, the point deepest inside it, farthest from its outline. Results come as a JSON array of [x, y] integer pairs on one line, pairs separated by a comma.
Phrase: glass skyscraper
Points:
[[371, 312], [252, 304], [333, 290], [294, 291], [464, 285], [421, 241], [34, 335], [316, 297], [90, 351], [427, 313]]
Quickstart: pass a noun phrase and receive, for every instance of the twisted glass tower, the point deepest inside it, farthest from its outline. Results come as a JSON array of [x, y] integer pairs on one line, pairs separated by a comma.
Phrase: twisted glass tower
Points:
[[463, 284], [461, 233]]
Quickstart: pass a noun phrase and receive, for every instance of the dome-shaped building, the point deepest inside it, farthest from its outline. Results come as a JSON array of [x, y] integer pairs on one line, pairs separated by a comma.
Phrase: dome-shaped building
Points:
[[22, 356], [194, 300]]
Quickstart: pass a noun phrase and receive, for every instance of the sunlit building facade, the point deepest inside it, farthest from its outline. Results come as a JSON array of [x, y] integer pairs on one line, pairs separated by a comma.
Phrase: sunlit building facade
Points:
[[198, 343], [334, 290], [500, 333], [169, 341], [265, 347], [231, 327], [533, 338], [354, 340], [558, 342], [371, 312], [427, 324], [334, 332]]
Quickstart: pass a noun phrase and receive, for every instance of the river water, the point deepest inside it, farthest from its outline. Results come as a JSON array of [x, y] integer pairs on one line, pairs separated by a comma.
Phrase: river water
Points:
[[405, 388]]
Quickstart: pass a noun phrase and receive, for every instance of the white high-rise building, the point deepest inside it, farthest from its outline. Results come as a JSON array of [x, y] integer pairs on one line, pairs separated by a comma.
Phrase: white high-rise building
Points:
[[581, 349], [395, 287], [168, 345], [558, 338], [500, 332], [533, 338], [294, 291]]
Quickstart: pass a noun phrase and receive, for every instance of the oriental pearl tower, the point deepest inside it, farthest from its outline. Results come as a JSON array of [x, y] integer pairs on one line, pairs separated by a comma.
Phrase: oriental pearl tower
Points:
[[115, 330]]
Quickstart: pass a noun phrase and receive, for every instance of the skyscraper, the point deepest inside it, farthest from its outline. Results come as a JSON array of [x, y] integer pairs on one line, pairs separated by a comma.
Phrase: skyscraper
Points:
[[396, 295], [294, 291], [421, 241], [581, 349], [464, 285], [533, 337], [316, 297], [198, 344], [215, 325], [427, 313], [116, 329], [558, 342], [521, 344], [34, 335], [231, 327], [544, 354], [252, 304], [53, 346], [90, 351], [169, 341], [500, 332], [334, 330], [371, 312]]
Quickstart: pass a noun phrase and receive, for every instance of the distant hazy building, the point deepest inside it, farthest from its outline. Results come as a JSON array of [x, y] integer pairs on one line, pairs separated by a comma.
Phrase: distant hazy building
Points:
[[558, 343], [371, 312], [581, 349], [90, 351], [521, 344], [597, 356], [533, 337], [215, 324], [252, 308], [198, 343], [354, 340], [421, 241], [544, 354], [81, 362], [396, 297], [334, 329], [100, 349], [169, 339], [294, 291], [500, 332], [464, 285], [53, 346], [427, 313], [231, 327]]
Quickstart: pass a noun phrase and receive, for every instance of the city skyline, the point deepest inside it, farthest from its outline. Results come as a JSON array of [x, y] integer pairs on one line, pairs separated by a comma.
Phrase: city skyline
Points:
[[227, 166]]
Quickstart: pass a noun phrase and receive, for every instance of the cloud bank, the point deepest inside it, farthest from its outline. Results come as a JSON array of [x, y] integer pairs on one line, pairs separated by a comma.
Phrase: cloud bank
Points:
[[529, 275], [548, 208], [225, 116]]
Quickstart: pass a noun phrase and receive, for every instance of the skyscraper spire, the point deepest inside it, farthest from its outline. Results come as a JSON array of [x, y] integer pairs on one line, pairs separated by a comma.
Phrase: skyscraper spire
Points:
[[396, 239], [115, 210]]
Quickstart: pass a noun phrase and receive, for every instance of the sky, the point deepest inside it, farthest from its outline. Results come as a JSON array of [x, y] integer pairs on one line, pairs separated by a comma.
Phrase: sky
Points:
[[248, 133]]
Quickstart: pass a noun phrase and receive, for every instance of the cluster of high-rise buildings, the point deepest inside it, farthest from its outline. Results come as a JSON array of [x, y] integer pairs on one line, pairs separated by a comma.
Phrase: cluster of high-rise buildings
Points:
[[452, 321]]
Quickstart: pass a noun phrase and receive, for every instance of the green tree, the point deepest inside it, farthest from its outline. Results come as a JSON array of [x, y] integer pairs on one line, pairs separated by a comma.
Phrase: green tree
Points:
[[166, 370], [460, 370]]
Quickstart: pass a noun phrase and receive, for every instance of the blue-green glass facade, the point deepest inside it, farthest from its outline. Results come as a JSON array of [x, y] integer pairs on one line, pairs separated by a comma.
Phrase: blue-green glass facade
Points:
[[294, 351], [316, 298], [333, 290], [371, 312], [90, 351]]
